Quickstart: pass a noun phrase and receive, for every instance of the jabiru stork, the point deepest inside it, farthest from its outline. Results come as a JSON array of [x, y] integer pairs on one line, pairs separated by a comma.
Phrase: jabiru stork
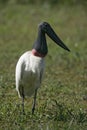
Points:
[[30, 66]]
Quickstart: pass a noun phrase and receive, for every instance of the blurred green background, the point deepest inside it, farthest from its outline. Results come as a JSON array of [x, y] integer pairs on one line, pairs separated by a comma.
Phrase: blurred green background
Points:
[[69, 2], [62, 98]]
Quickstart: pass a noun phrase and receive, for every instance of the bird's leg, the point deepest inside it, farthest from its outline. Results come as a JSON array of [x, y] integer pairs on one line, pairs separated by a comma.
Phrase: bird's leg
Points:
[[34, 103], [23, 100]]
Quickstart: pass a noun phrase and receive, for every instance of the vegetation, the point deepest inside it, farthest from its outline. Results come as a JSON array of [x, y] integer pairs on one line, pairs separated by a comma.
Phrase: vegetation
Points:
[[52, 2], [62, 98]]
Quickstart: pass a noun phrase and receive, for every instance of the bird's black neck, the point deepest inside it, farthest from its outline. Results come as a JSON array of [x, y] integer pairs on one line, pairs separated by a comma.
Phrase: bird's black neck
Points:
[[40, 44]]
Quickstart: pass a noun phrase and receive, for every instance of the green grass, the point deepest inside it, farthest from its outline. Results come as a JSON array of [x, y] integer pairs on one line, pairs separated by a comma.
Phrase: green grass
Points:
[[60, 103]]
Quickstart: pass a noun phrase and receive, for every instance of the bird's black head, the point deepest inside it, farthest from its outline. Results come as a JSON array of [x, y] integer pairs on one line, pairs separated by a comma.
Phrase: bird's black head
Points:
[[46, 28], [40, 44]]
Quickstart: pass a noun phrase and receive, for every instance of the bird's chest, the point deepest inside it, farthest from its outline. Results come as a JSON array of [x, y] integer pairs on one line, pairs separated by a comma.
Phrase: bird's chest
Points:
[[33, 69], [36, 64]]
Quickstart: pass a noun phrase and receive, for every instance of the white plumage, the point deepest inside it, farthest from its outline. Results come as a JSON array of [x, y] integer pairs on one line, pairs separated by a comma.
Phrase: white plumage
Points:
[[29, 71]]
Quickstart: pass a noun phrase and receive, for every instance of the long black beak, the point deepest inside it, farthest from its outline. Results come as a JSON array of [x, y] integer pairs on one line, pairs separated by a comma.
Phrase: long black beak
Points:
[[50, 32]]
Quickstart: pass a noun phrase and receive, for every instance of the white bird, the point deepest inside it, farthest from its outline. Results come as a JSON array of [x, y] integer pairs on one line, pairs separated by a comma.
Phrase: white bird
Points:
[[30, 66]]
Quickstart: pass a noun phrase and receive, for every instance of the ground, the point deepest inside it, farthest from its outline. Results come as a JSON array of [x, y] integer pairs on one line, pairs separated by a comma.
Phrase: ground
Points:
[[62, 98]]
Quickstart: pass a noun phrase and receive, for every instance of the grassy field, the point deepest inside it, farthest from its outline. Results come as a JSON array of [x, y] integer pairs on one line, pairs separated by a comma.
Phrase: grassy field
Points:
[[62, 98]]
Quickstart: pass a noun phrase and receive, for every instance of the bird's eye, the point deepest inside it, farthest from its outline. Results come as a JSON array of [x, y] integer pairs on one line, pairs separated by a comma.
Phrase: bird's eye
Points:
[[45, 27]]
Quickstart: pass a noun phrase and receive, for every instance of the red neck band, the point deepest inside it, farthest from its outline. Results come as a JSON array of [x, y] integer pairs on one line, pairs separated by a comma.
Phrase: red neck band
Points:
[[35, 53]]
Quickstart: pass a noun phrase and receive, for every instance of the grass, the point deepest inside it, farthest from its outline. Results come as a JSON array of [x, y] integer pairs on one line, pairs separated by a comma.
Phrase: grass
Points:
[[60, 103]]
